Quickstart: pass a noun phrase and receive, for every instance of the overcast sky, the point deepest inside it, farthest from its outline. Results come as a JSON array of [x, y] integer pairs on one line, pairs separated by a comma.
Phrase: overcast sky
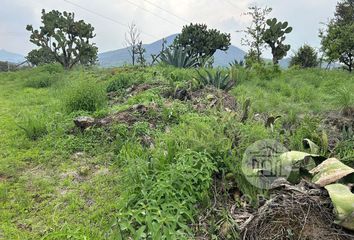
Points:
[[304, 15]]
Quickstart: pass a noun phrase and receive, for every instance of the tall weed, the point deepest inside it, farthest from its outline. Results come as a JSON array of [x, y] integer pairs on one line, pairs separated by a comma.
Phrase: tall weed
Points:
[[84, 95]]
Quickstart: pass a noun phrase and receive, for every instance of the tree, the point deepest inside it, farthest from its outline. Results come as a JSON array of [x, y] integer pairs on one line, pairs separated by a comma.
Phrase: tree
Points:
[[305, 57], [251, 58], [344, 12], [338, 39], [68, 40], [254, 33], [274, 36], [40, 56], [132, 39], [202, 42], [140, 51]]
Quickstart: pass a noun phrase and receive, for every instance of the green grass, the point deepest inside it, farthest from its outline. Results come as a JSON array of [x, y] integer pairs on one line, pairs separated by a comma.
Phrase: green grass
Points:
[[103, 183]]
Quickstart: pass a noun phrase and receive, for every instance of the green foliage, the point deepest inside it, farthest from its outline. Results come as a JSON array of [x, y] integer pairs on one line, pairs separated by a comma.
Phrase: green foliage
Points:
[[40, 56], [46, 76], [66, 39], [216, 79], [305, 57], [343, 97], [338, 38], [202, 42], [154, 178], [34, 125], [254, 33], [274, 36], [266, 71], [251, 59], [236, 63], [338, 44], [84, 95], [119, 83], [178, 57], [41, 80], [140, 51], [161, 206]]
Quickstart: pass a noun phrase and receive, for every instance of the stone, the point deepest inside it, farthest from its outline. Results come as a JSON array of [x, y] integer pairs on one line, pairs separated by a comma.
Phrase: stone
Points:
[[84, 122]]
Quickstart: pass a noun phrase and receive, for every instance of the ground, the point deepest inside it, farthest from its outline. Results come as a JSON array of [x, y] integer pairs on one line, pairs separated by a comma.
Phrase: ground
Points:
[[162, 149]]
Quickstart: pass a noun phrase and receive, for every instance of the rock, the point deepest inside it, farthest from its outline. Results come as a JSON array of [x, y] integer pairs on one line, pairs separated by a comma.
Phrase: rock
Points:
[[182, 95], [84, 122]]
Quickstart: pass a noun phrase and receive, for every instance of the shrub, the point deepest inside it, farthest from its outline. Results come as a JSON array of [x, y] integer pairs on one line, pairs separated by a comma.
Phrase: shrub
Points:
[[343, 98], [44, 76], [305, 57], [41, 80], [266, 71], [119, 83], [34, 126], [84, 95]]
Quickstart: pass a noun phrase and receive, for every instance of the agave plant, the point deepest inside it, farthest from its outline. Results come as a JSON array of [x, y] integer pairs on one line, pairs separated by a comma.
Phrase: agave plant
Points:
[[217, 79], [178, 57]]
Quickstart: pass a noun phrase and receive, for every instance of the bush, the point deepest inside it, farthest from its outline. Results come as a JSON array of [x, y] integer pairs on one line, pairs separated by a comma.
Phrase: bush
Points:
[[84, 95], [305, 57], [119, 82], [34, 126], [266, 71], [44, 76], [41, 80]]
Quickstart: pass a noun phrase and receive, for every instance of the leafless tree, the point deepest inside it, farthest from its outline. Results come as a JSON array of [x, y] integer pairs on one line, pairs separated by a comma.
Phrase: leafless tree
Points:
[[132, 39]]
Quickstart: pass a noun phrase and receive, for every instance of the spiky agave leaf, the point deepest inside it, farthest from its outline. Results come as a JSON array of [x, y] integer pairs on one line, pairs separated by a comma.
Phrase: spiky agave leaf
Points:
[[178, 57], [217, 79]]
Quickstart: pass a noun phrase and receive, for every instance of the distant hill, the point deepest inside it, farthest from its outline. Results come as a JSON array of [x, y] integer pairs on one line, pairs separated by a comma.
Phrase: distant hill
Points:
[[121, 56], [6, 56]]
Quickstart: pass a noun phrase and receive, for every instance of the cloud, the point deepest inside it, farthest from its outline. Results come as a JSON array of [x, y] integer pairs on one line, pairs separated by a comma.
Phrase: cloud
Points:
[[303, 15]]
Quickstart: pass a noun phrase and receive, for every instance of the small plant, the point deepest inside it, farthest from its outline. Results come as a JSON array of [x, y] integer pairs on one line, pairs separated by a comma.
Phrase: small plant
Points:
[[119, 83], [34, 126], [236, 63], [344, 98], [178, 57], [41, 80], [85, 96], [217, 79]]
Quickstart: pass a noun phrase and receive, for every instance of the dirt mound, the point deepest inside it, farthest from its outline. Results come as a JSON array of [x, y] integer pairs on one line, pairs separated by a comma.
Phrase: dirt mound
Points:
[[206, 98], [338, 124], [303, 211], [120, 97], [136, 113]]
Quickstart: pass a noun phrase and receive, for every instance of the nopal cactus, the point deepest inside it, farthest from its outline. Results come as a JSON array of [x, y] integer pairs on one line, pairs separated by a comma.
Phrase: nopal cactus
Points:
[[274, 36]]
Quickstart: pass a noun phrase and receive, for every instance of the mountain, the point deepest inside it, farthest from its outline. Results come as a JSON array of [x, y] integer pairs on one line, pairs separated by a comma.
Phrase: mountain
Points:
[[6, 56], [121, 56]]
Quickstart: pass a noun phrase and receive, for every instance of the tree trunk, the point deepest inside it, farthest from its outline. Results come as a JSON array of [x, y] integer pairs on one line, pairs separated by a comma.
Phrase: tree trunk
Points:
[[275, 60]]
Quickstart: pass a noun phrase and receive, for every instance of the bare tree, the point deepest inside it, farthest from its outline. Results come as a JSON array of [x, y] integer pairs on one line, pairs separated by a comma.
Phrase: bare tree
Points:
[[132, 39], [254, 33]]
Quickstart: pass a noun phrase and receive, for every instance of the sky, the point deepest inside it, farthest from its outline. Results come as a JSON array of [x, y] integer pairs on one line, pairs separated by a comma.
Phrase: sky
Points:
[[160, 18]]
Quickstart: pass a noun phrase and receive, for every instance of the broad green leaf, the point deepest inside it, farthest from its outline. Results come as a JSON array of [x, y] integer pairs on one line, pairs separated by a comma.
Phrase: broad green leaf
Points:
[[330, 171], [343, 201]]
